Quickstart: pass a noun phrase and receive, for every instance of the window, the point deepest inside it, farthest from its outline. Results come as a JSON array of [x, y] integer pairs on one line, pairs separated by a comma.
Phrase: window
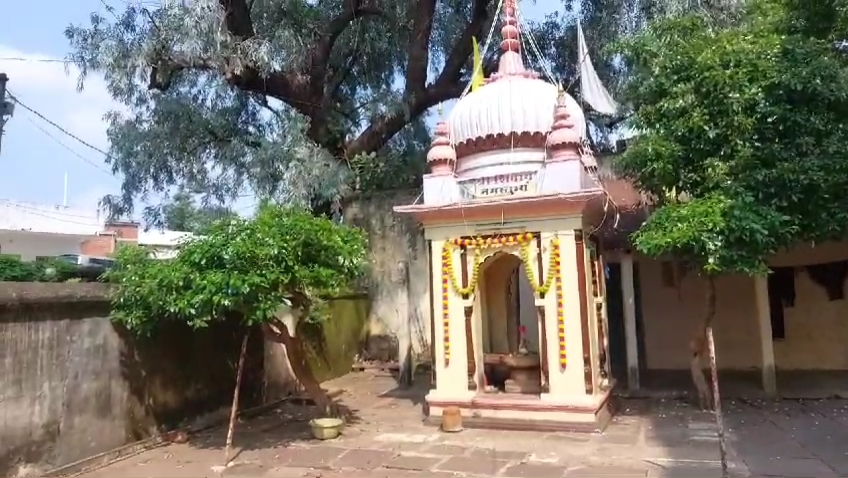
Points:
[[72, 258], [101, 262]]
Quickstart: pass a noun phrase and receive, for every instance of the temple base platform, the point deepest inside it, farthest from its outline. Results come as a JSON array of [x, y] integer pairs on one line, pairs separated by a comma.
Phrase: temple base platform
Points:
[[508, 411]]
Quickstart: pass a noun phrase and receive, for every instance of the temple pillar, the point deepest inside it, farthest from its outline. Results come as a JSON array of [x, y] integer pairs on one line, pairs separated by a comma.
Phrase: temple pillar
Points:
[[566, 383], [450, 347], [766, 341], [628, 296]]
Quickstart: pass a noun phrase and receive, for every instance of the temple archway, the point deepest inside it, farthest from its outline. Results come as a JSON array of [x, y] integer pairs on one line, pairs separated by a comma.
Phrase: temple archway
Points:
[[510, 325]]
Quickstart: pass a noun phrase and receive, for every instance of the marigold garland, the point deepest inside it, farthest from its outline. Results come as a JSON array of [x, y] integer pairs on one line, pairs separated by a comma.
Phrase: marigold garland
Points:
[[554, 276], [560, 315], [446, 303], [522, 240]]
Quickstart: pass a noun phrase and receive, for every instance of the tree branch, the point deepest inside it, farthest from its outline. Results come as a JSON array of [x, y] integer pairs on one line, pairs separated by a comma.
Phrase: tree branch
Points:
[[342, 75], [287, 87], [237, 18], [419, 46], [321, 54], [461, 50], [447, 86], [383, 129]]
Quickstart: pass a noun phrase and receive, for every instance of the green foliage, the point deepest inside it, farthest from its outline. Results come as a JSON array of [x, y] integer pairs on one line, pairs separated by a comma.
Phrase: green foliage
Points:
[[714, 232], [742, 137], [182, 214], [241, 269], [373, 172], [235, 97], [13, 269]]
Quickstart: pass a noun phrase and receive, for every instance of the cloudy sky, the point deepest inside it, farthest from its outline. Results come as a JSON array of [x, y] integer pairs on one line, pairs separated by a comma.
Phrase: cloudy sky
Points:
[[36, 156]]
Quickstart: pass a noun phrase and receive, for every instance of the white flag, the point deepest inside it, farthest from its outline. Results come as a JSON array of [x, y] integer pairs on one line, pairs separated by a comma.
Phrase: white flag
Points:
[[591, 88]]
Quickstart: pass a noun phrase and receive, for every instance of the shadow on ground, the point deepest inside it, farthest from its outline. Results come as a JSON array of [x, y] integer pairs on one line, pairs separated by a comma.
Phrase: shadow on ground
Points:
[[280, 426], [648, 438]]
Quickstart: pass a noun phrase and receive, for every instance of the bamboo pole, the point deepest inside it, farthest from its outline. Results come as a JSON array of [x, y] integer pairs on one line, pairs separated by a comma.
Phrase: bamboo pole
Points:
[[234, 410]]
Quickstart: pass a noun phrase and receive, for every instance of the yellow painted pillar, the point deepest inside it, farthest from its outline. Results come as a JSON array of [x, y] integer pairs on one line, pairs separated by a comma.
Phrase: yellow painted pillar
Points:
[[565, 381], [450, 348]]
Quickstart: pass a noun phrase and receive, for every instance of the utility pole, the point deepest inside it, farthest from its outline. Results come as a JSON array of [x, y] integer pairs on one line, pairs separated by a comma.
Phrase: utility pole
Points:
[[6, 107]]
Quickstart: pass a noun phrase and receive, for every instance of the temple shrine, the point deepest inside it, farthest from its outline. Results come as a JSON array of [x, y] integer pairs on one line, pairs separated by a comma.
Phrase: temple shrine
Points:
[[509, 208]]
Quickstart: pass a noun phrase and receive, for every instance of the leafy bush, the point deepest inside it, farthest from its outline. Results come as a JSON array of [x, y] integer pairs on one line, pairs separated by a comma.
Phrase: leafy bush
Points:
[[245, 270], [240, 268], [13, 269]]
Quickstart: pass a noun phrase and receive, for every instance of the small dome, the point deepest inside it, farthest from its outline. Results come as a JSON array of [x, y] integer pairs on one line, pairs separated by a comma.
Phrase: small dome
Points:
[[564, 133], [512, 104], [441, 156]]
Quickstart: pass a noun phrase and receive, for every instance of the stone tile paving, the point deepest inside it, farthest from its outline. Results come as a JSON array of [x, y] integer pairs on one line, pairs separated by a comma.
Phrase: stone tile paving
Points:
[[649, 438]]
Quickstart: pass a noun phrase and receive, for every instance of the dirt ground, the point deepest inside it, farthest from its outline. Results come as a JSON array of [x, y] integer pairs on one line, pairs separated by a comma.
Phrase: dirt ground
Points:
[[386, 438]]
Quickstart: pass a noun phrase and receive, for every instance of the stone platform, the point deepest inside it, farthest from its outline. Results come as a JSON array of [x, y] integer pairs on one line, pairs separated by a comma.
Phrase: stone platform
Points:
[[647, 438], [524, 413]]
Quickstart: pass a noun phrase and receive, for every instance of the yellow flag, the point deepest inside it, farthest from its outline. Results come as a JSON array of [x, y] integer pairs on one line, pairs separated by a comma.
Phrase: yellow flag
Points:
[[477, 73]]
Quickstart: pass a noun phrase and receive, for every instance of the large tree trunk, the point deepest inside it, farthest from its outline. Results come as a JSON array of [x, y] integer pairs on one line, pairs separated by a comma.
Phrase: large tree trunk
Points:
[[279, 332], [699, 348]]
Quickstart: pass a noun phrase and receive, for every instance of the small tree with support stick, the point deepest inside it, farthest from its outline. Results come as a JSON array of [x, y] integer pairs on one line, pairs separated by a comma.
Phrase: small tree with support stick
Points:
[[741, 147], [246, 270]]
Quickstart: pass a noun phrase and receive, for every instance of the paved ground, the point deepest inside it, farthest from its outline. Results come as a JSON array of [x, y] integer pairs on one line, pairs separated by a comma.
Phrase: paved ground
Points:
[[649, 438]]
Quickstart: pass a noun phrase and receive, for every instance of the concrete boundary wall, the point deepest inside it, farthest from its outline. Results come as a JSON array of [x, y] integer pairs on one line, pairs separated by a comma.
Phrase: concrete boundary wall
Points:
[[73, 384]]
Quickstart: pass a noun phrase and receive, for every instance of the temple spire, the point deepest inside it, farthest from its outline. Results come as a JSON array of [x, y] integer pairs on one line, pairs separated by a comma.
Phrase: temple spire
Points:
[[509, 31], [511, 62]]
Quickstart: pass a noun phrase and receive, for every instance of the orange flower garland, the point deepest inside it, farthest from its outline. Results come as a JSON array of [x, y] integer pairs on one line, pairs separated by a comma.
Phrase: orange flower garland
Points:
[[449, 280], [523, 240], [446, 267], [448, 270], [560, 315], [499, 241]]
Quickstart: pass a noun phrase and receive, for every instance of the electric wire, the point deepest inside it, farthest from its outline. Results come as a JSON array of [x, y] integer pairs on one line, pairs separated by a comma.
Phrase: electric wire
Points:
[[71, 150], [55, 125]]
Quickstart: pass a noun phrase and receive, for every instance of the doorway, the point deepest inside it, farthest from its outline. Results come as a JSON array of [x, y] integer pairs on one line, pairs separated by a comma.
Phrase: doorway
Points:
[[510, 327]]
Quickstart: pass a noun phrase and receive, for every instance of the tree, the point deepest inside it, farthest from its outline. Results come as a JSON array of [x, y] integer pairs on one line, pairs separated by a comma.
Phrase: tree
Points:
[[297, 100], [244, 270], [742, 131], [182, 214]]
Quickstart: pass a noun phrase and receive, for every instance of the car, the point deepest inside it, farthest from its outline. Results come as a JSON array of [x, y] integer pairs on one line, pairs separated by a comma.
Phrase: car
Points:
[[84, 260]]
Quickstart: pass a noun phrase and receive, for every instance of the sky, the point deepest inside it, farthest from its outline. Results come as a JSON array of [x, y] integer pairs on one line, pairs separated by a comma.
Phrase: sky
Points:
[[36, 156]]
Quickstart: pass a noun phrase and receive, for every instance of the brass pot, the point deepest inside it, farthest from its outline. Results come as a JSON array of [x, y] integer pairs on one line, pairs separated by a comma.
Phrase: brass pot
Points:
[[451, 420]]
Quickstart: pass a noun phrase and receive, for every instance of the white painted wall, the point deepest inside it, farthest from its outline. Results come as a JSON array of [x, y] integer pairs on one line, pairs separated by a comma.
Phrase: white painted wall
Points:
[[165, 244], [29, 245], [21, 216]]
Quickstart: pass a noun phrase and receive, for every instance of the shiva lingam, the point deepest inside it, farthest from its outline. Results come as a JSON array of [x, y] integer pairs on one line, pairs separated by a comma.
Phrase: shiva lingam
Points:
[[524, 368]]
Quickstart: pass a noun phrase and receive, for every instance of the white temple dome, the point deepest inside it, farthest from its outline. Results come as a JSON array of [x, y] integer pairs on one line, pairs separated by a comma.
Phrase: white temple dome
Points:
[[512, 104]]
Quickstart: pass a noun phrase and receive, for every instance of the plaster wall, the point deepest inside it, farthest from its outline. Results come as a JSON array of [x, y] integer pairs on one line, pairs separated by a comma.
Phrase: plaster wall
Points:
[[816, 329], [397, 279], [29, 245], [75, 384]]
